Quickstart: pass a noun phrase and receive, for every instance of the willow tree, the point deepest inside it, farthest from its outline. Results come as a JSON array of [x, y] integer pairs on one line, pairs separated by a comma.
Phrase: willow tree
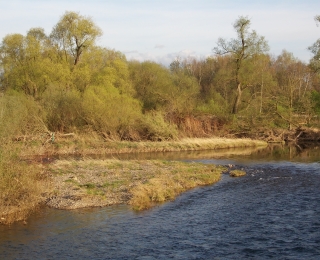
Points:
[[28, 63], [73, 34], [247, 45]]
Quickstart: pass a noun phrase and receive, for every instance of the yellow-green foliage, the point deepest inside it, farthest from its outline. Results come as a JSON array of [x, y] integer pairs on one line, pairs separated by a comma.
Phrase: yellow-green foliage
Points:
[[63, 108], [109, 112], [168, 184], [154, 127], [20, 116], [158, 89]]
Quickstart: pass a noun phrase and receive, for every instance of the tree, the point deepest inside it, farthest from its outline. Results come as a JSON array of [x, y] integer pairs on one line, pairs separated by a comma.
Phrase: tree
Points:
[[315, 49], [73, 34], [29, 63], [245, 46], [158, 88], [293, 88]]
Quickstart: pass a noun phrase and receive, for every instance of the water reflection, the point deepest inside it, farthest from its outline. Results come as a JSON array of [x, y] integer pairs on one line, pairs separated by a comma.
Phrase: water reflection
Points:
[[273, 152], [51, 222]]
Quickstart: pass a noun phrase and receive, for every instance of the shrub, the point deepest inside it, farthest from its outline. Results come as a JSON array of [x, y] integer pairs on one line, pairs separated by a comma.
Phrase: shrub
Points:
[[110, 113], [154, 127], [63, 108]]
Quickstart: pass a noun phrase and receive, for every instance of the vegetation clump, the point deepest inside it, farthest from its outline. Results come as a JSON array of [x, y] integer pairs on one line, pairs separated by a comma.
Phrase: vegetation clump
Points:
[[237, 173], [169, 184], [142, 184]]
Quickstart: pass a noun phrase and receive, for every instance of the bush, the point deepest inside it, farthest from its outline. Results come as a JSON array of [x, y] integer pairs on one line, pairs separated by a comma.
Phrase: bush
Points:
[[153, 127], [20, 117], [63, 108], [110, 113]]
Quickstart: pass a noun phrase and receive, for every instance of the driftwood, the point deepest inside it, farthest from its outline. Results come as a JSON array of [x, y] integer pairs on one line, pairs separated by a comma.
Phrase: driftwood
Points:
[[298, 135], [306, 135]]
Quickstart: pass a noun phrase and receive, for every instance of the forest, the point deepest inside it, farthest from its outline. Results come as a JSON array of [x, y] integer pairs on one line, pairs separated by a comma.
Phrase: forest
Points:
[[65, 83]]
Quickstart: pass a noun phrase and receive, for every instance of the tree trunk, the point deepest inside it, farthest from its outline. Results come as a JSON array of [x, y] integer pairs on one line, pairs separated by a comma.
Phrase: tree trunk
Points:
[[237, 100]]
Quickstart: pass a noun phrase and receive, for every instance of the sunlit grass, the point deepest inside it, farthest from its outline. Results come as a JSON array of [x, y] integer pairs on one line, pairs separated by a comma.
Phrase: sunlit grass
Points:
[[86, 145], [166, 186], [141, 184]]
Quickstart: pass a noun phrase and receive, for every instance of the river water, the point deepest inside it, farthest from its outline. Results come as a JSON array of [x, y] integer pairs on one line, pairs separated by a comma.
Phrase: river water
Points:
[[272, 212]]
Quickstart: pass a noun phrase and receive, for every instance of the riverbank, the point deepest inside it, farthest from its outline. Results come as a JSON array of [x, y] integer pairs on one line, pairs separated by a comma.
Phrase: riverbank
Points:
[[77, 145], [70, 184]]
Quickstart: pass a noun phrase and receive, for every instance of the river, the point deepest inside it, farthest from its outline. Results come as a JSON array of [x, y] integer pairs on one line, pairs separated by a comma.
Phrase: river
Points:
[[272, 212]]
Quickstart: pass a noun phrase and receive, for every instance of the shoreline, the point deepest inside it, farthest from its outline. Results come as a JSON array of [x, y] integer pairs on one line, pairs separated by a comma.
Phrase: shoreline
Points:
[[97, 147], [71, 184]]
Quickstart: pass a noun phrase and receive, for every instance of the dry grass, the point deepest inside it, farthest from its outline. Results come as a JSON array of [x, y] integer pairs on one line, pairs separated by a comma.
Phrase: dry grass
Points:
[[169, 183], [22, 189], [86, 145], [139, 183]]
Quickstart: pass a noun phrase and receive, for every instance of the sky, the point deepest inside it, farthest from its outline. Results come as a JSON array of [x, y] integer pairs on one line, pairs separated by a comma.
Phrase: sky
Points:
[[162, 30]]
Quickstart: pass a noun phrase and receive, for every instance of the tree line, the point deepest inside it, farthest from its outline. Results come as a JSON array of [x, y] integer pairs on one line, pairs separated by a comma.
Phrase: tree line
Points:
[[64, 82]]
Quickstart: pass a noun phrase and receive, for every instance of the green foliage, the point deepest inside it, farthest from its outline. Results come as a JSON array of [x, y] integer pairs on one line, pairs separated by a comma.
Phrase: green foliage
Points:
[[108, 67], [315, 95], [109, 112], [29, 63], [152, 83], [245, 47], [154, 127], [73, 34], [20, 116], [159, 89], [63, 109], [315, 50], [216, 106]]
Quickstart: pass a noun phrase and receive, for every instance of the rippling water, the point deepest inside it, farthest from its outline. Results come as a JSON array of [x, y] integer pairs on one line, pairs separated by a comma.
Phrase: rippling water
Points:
[[272, 212]]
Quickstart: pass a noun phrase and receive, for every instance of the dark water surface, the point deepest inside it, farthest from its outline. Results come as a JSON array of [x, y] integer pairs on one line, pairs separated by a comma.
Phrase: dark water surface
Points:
[[272, 212]]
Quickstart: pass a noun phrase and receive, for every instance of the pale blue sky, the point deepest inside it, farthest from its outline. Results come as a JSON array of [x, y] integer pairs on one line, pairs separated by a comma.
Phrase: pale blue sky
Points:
[[161, 30]]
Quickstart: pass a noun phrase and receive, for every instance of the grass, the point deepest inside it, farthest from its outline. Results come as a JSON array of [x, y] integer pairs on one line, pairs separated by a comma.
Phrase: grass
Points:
[[88, 146], [169, 183], [142, 184]]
